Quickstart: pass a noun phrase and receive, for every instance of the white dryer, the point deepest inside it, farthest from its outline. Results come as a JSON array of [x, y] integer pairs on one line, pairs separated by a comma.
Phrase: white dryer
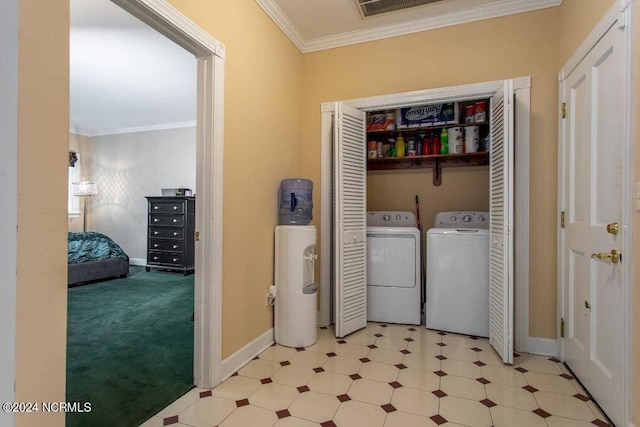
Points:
[[458, 273], [393, 267]]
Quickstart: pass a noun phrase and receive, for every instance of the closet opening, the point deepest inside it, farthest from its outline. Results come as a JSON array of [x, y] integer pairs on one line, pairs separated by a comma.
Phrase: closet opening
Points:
[[339, 230]]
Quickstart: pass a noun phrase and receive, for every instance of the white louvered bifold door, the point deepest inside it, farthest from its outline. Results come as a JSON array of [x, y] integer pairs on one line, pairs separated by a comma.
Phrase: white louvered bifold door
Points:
[[350, 256], [501, 225]]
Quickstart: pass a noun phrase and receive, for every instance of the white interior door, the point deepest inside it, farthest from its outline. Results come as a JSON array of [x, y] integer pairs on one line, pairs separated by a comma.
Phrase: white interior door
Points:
[[501, 224], [350, 189], [594, 145]]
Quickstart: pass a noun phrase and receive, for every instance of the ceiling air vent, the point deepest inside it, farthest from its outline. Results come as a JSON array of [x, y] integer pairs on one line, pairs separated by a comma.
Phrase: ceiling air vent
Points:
[[377, 7]]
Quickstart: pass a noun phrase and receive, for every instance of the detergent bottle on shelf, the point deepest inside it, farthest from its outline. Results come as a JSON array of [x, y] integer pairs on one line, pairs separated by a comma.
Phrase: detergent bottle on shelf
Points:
[[435, 143], [444, 141], [426, 145], [400, 146]]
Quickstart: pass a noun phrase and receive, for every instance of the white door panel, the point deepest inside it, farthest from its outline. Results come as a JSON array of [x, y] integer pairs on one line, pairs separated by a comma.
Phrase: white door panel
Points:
[[595, 96], [501, 223], [349, 255]]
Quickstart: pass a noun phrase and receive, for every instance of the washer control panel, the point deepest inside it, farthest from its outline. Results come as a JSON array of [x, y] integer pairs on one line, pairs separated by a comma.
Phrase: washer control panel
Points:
[[462, 219], [391, 219]]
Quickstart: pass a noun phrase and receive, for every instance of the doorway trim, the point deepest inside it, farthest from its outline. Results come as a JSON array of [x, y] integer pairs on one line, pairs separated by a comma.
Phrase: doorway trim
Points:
[[210, 53], [522, 88], [8, 193], [623, 12]]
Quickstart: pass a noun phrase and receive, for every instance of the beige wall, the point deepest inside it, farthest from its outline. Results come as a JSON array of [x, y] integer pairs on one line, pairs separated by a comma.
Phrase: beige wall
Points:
[[577, 19], [461, 189], [532, 44], [272, 121], [263, 92], [262, 146], [43, 139], [451, 56]]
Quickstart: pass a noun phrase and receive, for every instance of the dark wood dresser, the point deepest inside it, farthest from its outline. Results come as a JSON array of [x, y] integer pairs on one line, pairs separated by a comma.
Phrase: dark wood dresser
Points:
[[170, 233]]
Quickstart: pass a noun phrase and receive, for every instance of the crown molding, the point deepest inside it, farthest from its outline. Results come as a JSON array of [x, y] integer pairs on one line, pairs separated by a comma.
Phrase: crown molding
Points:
[[117, 131], [283, 22], [465, 16]]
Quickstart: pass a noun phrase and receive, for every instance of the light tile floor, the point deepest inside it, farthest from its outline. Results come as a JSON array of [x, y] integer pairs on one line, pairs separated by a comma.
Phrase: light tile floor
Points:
[[391, 376]]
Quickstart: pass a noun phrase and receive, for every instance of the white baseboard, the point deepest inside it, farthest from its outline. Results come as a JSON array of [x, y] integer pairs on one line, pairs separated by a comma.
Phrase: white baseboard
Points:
[[137, 261], [246, 354], [542, 346]]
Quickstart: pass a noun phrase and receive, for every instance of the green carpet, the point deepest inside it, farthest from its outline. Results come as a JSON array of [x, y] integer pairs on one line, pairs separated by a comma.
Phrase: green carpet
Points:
[[129, 346]]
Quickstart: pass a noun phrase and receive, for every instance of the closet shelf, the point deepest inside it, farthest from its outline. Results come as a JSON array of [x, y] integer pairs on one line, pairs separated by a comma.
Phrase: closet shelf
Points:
[[421, 129], [436, 162]]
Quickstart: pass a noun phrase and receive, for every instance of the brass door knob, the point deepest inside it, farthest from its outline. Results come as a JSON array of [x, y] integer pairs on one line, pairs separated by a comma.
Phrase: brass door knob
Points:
[[613, 228], [614, 256]]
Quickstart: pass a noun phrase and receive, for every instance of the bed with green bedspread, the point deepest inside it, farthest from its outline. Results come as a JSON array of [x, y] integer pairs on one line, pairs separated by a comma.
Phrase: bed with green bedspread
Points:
[[93, 256]]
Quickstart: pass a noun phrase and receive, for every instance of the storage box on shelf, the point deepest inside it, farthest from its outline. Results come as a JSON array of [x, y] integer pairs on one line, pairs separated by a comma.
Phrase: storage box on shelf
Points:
[[417, 122], [427, 115]]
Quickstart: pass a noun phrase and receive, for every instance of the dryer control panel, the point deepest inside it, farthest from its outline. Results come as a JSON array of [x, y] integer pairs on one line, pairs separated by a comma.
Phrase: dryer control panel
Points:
[[462, 219], [391, 219]]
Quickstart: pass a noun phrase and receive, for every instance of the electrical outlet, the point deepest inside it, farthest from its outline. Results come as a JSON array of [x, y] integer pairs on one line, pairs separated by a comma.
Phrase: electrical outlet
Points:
[[272, 291]]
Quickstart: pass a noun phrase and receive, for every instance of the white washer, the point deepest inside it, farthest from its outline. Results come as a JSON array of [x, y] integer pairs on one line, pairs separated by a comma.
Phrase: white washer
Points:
[[458, 273], [393, 267]]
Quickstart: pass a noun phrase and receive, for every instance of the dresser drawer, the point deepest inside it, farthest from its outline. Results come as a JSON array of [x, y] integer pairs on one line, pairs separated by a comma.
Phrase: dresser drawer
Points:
[[166, 207], [166, 245], [164, 219], [165, 258], [166, 232]]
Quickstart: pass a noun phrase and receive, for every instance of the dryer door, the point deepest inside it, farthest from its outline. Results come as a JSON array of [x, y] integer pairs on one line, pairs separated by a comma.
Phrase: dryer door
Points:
[[393, 277]]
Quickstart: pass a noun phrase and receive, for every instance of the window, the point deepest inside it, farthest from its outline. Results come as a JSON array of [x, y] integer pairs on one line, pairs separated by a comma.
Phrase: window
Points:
[[73, 202]]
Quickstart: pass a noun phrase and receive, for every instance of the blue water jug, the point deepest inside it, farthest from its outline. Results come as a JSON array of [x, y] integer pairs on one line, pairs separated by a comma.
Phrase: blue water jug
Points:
[[295, 201]]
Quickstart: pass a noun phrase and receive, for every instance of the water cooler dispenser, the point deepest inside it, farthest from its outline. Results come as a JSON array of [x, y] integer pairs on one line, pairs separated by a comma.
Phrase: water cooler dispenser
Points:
[[296, 291]]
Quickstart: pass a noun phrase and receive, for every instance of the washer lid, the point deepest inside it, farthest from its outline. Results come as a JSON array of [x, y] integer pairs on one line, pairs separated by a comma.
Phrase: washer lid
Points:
[[462, 219], [391, 219], [458, 231], [392, 231]]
